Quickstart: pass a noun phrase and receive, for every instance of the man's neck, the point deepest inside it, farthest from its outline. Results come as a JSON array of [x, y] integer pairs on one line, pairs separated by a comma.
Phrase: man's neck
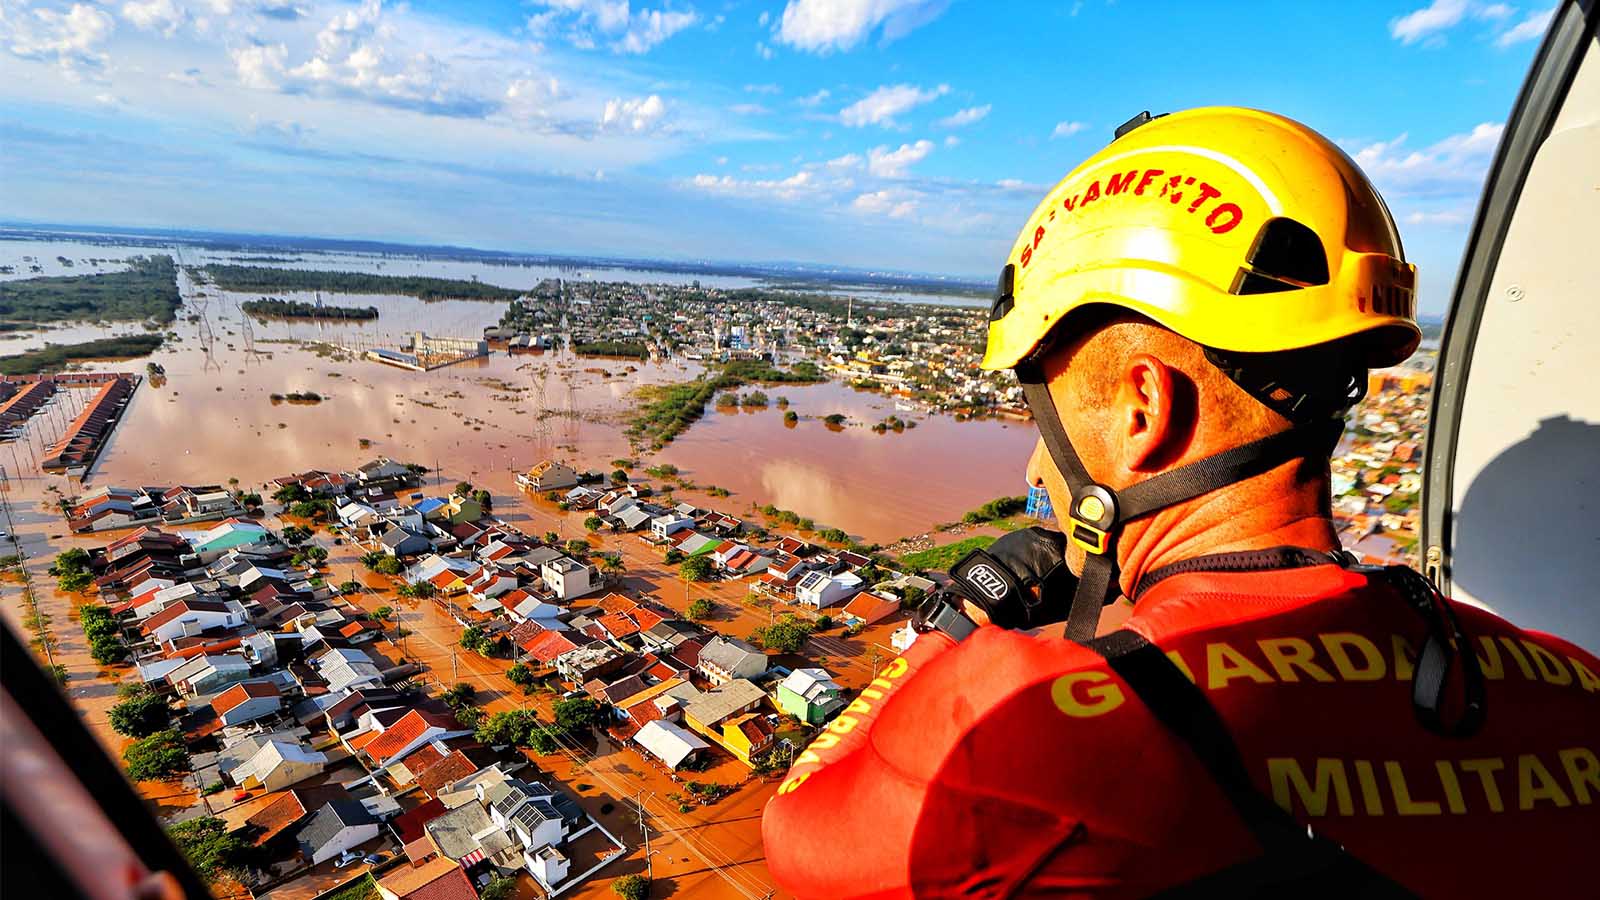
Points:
[[1271, 510]]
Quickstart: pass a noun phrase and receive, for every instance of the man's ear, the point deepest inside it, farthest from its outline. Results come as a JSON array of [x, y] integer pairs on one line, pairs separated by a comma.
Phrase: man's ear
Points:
[[1154, 418]]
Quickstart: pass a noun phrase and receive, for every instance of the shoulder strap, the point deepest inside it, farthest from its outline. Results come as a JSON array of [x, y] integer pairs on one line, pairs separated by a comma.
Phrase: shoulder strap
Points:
[[1295, 858]]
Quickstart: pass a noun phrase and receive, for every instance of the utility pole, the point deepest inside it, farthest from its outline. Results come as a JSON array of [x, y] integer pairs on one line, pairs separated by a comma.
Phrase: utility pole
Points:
[[644, 830]]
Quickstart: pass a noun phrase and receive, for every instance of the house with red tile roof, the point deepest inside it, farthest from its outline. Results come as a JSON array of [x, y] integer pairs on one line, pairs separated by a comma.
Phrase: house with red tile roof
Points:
[[548, 645], [413, 837], [454, 767], [247, 701], [414, 729], [441, 878]]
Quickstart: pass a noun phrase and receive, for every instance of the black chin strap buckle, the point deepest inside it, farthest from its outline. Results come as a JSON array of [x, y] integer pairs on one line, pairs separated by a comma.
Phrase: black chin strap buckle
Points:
[[1092, 517]]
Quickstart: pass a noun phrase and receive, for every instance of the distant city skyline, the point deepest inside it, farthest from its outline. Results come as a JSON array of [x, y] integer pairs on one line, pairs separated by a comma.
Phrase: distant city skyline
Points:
[[905, 135]]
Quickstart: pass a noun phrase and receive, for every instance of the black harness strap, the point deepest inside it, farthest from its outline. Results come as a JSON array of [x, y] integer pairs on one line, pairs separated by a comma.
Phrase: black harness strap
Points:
[[1295, 861], [1098, 583]]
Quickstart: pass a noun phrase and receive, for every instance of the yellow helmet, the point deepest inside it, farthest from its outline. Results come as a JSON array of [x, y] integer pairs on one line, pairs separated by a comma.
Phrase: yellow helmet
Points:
[[1241, 230]]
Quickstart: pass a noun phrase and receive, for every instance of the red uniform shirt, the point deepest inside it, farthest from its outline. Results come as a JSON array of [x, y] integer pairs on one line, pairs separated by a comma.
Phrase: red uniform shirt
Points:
[[1020, 765]]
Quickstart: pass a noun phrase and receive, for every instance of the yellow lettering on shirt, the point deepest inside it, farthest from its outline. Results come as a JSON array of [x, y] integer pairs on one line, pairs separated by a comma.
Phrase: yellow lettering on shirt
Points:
[[1102, 697], [1223, 664], [1403, 804], [1535, 783], [1550, 668], [1485, 769], [1489, 660], [1583, 772], [1344, 646], [1516, 654], [1289, 782], [1177, 660], [1452, 787], [1368, 780], [1286, 655], [1405, 658], [1590, 682]]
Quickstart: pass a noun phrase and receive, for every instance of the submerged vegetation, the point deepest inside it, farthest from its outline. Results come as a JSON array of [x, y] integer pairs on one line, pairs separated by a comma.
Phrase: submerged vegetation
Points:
[[146, 291], [669, 409], [53, 357], [271, 308], [264, 279], [630, 349]]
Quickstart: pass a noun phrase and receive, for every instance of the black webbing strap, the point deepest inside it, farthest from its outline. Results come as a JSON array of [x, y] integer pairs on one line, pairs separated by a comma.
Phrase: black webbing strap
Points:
[[1296, 861], [1098, 583]]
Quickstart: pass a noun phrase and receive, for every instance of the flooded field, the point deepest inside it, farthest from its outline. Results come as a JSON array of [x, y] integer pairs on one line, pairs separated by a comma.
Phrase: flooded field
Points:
[[212, 416]]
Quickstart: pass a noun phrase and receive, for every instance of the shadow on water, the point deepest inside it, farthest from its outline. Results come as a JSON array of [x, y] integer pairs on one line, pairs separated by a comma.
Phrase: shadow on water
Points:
[[1527, 536]]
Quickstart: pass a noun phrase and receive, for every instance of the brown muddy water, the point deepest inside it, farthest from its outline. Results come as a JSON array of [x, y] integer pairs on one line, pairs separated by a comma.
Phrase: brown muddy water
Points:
[[211, 418]]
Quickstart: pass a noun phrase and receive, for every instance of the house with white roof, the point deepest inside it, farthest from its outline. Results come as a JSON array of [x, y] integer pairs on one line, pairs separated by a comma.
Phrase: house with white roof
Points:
[[820, 590], [665, 526], [810, 695], [669, 742], [568, 579]]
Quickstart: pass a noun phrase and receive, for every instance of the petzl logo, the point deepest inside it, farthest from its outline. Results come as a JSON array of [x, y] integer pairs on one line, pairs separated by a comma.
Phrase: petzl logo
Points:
[[987, 580]]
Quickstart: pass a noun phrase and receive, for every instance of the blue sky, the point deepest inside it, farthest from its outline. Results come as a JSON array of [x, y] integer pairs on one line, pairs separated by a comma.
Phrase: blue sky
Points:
[[895, 134]]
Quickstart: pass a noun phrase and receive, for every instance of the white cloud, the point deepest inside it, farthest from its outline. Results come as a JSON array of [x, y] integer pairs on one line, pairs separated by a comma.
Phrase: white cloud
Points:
[[763, 89], [1445, 217], [637, 116], [1429, 23], [965, 117], [1453, 165], [822, 26], [812, 100], [882, 105], [951, 140], [72, 38], [651, 27], [886, 163], [260, 66], [1438, 16], [763, 19], [154, 15], [847, 161], [1067, 129], [614, 21], [748, 109], [797, 185], [894, 204], [1531, 28], [763, 51]]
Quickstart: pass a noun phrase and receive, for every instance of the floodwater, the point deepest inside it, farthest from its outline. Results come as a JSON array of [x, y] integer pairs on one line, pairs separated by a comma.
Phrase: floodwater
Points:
[[211, 417]]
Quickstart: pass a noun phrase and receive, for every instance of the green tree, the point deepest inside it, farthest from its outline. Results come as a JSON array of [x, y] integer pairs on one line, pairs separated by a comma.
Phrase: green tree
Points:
[[371, 558], [833, 535], [389, 565], [520, 675], [349, 587], [383, 613], [140, 715], [473, 638], [787, 635], [631, 887], [73, 582], [291, 493], [578, 548], [695, 568], [594, 523], [463, 488], [700, 610], [159, 755], [612, 563], [209, 846], [578, 713], [514, 727], [459, 695], [824, 622], [619, 476], [485, 500], [295, 535], [68, 561], [107, 649], [551, 538], [499, 888], [673, 556], [835, 419]]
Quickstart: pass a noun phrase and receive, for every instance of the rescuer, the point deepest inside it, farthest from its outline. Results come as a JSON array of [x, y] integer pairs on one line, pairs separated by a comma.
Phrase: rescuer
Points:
[[1191, 312]]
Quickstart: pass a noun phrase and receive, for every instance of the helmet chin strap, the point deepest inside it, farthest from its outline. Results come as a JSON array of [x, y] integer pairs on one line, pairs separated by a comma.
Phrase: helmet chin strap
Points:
[[1097, 514]]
